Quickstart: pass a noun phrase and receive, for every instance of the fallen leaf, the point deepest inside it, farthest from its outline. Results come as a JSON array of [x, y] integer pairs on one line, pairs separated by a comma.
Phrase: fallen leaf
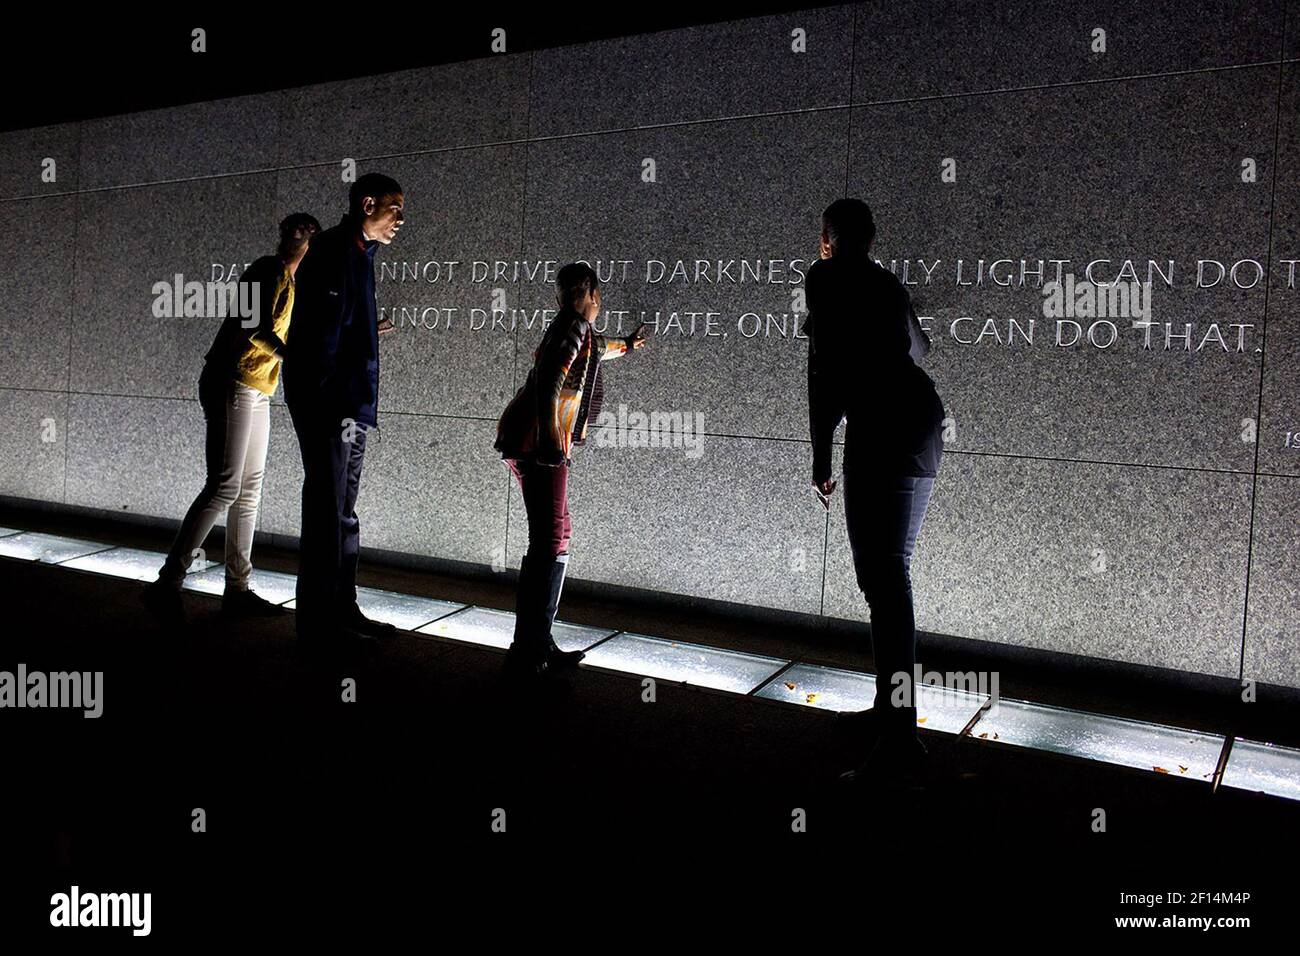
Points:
[[812, 698], [921, 720], [1182, 769], [789, 685], [1159, 769]]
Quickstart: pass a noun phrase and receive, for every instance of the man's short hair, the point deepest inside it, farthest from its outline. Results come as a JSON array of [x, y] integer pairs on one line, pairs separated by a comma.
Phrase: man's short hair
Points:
[[374, 185], [574, 279], [848, 225]]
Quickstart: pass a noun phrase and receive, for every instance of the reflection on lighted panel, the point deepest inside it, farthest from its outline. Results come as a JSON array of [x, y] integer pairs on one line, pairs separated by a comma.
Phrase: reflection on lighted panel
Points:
[[492, 628], [1259, 766], [684, 663], [47, 548], [1128, 743], [269, 585], [938, 709], [404, 611], [123, 563]]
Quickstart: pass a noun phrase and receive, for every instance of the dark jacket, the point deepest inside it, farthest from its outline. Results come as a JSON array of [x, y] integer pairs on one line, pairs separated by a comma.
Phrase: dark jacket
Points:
[[331, 369], [863, 343], [549, 414]]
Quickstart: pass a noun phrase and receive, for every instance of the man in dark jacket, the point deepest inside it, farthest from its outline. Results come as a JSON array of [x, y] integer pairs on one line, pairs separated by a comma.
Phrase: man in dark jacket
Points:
[[537, 432], [331, 385], [863, 343]]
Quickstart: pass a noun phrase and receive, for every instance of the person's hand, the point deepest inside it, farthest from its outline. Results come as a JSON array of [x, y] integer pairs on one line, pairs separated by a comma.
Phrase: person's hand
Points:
[[550, 458], [824, 490], [637, 339], [385, 325]]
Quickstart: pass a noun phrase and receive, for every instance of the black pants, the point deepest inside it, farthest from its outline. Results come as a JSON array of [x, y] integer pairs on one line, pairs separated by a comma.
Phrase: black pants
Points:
[[884, 514], [330, 541]]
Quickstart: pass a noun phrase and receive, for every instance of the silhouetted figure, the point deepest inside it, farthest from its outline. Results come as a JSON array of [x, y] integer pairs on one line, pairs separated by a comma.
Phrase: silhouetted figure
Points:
[[864, 340], [536, 435], [240, 374], [331, 385]]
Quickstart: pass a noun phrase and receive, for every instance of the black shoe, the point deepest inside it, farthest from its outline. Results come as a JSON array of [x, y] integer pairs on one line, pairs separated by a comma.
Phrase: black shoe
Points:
[[331, 638], [242, 604], [354, 620], [164, 602], [894, 762], [558, 660], [521, 664]]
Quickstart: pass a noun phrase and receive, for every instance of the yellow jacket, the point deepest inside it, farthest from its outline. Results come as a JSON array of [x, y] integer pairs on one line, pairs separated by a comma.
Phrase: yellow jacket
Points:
[[251, 354]]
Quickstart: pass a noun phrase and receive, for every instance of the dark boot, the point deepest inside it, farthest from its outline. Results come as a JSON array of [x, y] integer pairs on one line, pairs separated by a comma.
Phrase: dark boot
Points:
[[553, 586], [862, 726], [526, 656], [898, 758]]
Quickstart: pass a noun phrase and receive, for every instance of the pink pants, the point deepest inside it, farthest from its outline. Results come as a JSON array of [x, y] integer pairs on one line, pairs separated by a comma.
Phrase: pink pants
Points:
[[546, 502]]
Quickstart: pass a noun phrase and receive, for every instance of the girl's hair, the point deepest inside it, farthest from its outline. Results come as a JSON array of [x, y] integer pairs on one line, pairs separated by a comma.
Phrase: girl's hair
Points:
[[290, 225], [573, 280]]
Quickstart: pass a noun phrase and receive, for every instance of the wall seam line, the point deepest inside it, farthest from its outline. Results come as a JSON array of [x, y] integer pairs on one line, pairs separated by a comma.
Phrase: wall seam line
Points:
[[1263, 357], [523, 225], [72, 306]]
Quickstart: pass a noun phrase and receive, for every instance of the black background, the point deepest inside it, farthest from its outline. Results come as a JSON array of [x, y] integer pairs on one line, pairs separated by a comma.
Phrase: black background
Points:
[[63, 67]]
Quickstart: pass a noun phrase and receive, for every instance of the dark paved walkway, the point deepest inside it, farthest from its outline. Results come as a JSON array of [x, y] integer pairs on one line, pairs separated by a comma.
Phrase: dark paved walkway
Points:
[[241, 722]]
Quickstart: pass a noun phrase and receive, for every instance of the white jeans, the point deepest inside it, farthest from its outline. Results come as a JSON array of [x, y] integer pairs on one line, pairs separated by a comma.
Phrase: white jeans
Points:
[[239, 425]]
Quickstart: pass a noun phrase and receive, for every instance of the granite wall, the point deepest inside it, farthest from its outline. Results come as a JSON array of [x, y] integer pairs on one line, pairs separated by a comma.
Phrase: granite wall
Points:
[[1133, 494]]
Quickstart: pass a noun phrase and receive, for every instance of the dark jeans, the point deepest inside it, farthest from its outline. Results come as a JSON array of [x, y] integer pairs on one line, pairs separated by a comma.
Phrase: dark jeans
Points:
[[884, 515], [546, 503], [330, 539]]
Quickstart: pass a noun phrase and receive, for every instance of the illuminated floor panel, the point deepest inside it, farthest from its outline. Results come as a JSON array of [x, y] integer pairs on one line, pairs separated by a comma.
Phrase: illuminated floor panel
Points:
[[404, 611], [49, 548], [827, 687], [834, 689], [124, 563], [1266, 767], [1172, 750], [269, 585], [685, 663], [947, 711], [5, 532], [493, 628]]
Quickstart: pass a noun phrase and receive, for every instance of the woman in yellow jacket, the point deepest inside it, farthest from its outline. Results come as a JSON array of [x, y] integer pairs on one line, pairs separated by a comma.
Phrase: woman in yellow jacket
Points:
[[240, 374]]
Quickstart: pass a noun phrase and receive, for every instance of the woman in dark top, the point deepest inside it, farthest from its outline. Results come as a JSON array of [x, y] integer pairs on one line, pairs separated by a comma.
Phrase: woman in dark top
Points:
[[536, 435], [863, 343]]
